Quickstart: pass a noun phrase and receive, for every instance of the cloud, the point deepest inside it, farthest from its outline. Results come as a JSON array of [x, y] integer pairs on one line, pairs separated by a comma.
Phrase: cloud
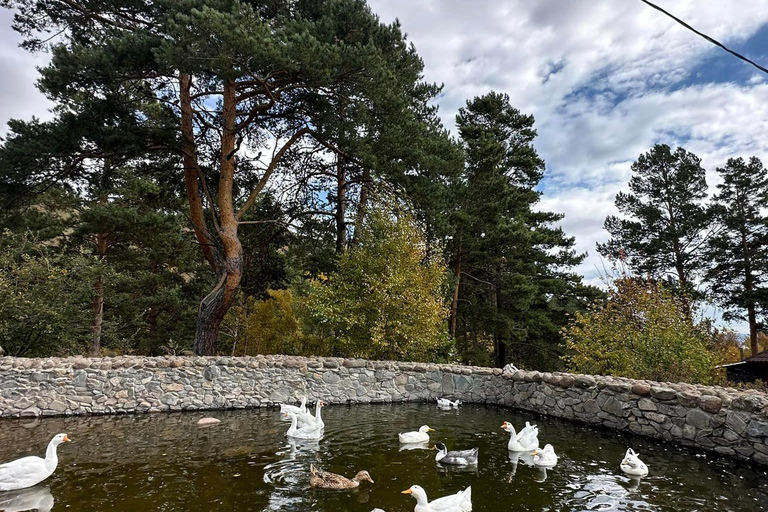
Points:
[[605, 79], [18, 71]]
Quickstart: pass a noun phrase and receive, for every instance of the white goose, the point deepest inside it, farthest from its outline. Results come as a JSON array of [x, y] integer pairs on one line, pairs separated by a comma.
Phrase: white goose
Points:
[[545, 458], [632, 465], [421, 436], [459, 502], [286, 408], [444, 403], [529, 433], [523, 442], [305, 419], [307, 432], [29, 471]]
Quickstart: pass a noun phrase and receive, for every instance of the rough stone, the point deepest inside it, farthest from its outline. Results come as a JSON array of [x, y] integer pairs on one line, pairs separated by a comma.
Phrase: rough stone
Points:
[[646, 405], [711, 404], [641, 389], [661, 393], [697, 418]]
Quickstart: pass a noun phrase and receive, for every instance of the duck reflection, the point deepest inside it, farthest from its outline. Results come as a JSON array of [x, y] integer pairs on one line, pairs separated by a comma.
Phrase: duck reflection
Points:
[[452, 468], [415, 446], [37, 498], [541, 476]]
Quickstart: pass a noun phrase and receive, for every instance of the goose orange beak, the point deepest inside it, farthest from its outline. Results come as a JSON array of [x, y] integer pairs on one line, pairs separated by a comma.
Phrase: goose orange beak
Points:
[[67, 439], [407, 491]]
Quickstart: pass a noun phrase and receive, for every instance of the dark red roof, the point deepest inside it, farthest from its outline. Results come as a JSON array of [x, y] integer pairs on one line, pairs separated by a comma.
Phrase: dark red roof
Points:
[[760, 357]]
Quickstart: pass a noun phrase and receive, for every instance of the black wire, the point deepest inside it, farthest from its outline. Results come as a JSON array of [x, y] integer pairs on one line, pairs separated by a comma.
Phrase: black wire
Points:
[[705, 36]]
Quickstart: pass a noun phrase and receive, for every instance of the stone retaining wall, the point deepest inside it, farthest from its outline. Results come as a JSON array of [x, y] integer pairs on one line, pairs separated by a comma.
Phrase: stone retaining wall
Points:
[[727, 421]]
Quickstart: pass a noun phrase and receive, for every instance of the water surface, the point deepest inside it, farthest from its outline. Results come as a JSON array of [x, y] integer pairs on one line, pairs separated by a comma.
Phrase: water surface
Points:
[[164, 462]]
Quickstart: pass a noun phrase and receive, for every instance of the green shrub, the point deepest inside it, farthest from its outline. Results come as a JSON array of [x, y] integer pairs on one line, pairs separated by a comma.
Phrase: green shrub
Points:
[[641, 331]]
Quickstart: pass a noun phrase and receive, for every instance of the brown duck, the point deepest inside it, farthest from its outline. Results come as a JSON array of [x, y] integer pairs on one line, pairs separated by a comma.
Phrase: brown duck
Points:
[[326, 480]]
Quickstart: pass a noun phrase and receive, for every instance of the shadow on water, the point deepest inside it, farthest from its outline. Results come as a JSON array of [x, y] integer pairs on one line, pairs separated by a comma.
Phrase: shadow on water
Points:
[[164, 462]]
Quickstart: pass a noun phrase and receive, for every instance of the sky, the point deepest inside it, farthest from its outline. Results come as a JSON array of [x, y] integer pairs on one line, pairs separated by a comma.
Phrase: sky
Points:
[[605, 80]]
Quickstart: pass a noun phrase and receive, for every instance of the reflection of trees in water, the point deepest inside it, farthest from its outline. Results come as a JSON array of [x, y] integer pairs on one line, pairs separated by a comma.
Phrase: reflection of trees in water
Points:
[[165, 438], [37, 498]]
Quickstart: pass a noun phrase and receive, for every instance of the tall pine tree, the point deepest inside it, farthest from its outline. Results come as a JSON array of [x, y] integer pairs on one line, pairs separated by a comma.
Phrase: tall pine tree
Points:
[[511, 265], [739, 277], [664, 225]]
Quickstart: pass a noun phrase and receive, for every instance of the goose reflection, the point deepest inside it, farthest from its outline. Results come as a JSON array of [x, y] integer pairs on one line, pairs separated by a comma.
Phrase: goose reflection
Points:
[[517, 457], [34, 498], [452, 468], [633, 482], [415, 446], [303, 446], [541, 476]]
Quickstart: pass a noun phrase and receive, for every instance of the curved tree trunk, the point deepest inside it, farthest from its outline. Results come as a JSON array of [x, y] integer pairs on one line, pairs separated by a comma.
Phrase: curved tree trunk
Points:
[[215, 305]]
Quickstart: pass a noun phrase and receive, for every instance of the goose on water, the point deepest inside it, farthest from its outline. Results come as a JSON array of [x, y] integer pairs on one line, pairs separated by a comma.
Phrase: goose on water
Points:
[[632, 465], [545, 457], [306, 432], [327, 480], [286, 408], [526, 441], [458, 457], [29, 471], [459, 502], [306, 419], [444, 403], [422, 436]]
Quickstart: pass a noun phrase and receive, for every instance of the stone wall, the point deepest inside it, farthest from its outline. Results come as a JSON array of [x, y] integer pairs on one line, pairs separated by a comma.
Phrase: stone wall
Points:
[[730, 422]]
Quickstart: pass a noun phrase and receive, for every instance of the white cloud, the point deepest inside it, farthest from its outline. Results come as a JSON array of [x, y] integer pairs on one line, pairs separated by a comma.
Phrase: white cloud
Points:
[[605, 80], [18, 73]]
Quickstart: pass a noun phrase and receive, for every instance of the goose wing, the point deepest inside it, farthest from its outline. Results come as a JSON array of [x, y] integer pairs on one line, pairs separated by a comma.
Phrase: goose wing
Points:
[[459, 502]]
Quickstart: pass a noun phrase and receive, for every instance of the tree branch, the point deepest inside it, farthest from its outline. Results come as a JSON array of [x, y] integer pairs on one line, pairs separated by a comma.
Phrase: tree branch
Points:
[[268, 172]]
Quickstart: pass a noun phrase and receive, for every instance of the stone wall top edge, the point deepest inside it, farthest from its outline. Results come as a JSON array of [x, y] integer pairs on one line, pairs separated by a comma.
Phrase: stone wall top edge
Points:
[[659, 390]]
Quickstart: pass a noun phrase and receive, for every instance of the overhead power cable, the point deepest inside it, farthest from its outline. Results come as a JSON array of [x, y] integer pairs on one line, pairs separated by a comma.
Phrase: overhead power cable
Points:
[[705, 36]]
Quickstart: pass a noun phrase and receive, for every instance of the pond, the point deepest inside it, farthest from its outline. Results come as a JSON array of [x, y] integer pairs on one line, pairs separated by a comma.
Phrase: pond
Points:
[[165, 462]]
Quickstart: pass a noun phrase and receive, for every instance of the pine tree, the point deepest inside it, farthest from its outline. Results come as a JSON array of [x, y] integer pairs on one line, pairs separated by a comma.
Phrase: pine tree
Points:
[[236, 77], [739, 276], [665, 225], [510, 264]]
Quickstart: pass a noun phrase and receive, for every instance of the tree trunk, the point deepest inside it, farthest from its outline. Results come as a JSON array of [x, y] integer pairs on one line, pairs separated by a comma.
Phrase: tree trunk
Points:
[[341, 206], [97, 307], [97, 303], [215, 305], [455, 300], [752, 318], [499, 349], [362, 204], [748, 287], [192, 175]]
